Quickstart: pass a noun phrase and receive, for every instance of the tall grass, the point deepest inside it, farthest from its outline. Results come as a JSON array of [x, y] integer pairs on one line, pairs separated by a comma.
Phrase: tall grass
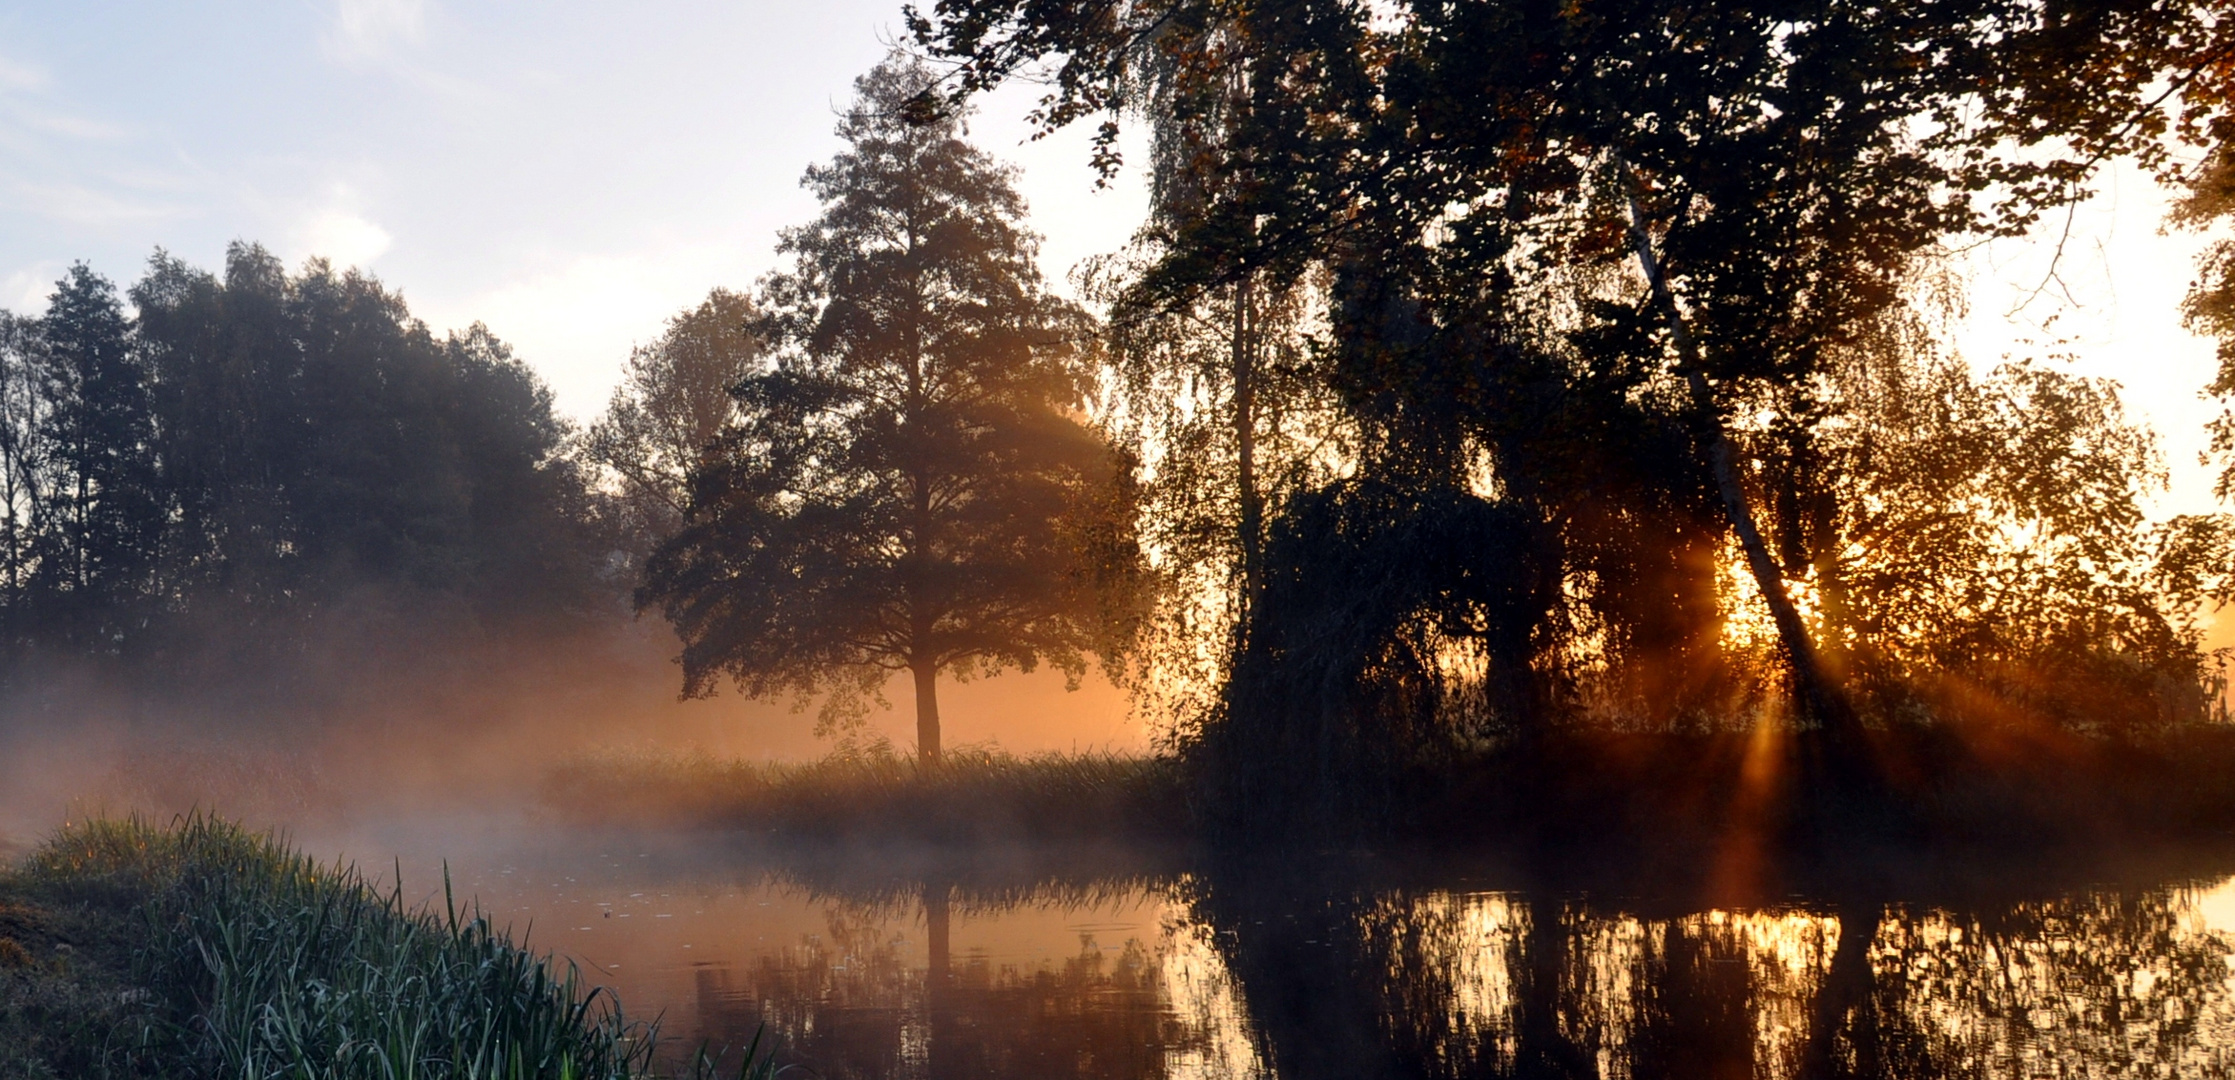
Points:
[[263, 963], [975, 795]]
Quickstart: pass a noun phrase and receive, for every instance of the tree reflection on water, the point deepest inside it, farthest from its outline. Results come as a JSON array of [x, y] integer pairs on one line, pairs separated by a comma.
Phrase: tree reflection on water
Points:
[[1259, 974]]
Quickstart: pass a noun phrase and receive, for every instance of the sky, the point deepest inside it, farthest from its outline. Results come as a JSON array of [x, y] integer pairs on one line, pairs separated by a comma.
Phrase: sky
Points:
[[569, 173], [573, 173]]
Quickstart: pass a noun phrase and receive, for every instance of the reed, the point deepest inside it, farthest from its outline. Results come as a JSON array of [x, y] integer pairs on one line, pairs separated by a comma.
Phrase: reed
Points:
[[976, 795], [256, 960]]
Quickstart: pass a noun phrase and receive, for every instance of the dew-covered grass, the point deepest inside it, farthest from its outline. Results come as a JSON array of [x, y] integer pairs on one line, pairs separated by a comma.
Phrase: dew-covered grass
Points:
[[209, 950]]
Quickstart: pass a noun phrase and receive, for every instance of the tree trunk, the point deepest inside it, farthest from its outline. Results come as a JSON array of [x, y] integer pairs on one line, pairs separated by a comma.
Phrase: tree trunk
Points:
[[1831, 588], [1245, 441], [1846, 991], [1820, 701], [938, 981], [927, 715]]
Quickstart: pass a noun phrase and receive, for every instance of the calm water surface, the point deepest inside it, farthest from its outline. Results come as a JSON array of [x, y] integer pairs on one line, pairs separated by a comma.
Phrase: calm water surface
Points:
[[877, 972]]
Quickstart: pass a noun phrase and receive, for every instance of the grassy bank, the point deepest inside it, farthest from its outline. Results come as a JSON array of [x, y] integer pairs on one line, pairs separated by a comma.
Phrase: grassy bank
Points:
[[974, 797], [204, 950], [1592, 809]]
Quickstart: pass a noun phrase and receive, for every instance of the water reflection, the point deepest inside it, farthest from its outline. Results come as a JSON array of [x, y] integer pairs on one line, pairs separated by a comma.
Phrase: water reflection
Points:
[[1232, 975]]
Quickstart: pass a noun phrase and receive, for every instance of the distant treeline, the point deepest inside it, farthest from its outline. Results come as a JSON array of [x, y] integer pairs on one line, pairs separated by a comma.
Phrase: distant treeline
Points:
[[234, 465]]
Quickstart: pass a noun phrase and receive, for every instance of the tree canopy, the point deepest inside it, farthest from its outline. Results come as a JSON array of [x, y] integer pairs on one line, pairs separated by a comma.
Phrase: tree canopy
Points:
[[671, 406], [910, 482], [246, 458], [1615, 266]]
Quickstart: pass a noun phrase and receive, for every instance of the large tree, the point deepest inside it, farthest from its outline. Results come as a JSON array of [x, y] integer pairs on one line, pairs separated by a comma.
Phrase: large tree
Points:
[[911, 483], [1699, 198]]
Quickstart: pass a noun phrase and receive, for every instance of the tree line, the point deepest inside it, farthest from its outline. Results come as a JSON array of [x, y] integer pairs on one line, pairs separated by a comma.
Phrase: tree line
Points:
[[1480, 370], [240, 462]]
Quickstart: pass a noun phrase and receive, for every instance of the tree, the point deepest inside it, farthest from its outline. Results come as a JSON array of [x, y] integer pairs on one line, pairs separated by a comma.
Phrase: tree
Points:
[[105, 515], [1763, 176], [673, 402], [317, 441], [911, 483], [24, 468]]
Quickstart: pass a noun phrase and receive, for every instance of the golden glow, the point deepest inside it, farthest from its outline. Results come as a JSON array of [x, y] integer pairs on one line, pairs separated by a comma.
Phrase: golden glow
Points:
[[1747, 624], [1201, 995]]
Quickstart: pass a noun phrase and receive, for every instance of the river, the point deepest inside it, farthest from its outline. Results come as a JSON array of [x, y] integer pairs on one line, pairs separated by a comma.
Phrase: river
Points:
[[922, 964]]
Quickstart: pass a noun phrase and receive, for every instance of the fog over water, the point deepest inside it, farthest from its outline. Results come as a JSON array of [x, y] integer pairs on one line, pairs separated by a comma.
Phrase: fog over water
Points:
[[875, 963]]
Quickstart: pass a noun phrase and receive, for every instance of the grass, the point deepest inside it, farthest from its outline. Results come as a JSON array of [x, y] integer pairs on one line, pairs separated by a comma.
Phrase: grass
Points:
[[202, 949], [974, 797], [1735, 812]]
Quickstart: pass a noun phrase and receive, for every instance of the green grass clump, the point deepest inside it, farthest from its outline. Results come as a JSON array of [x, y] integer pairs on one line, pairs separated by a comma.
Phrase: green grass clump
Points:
[[253, 960]]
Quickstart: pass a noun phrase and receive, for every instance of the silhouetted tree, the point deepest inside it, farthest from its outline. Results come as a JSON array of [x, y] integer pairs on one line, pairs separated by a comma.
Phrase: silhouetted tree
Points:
[[673, 402], [23, 465], [1689, 204], [315, 440], [259, 474], [104, 516], [910, 485], [1223, 425], [1968, 532]]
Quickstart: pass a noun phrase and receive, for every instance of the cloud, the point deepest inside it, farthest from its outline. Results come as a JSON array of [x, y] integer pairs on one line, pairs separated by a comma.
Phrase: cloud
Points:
[[22, 88], [58, 123], [20, 76], [370, 27], [86, 206], [576, 317], [25, 292], [343, 237]]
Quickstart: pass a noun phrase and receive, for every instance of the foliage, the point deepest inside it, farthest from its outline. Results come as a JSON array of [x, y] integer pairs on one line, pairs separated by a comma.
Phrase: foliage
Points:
[[1395, 626], [314, 437], [1185, 400], [247, 461], [910, 484], [254, 960], [863, 791], [673, 402], [1980, 543], [1609, 263]]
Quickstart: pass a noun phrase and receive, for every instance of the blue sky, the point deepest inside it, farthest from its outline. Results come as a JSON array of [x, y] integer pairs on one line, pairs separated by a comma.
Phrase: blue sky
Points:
[[573, 173], [569, 173]]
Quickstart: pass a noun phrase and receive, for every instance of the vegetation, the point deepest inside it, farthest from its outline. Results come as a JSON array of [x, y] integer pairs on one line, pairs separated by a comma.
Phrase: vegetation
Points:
[[1653, 287], [909, 486], [1484, 375], [865, 792], [668, 413], [256, 472], [204, 950]]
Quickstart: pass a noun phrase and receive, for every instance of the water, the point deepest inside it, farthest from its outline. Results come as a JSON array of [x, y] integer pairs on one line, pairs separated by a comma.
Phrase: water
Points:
[[871, 964]]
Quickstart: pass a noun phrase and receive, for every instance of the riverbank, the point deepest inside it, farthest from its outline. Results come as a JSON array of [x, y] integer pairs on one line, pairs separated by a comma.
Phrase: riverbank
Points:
[[205, 950], [1723, 814], [975, 797]]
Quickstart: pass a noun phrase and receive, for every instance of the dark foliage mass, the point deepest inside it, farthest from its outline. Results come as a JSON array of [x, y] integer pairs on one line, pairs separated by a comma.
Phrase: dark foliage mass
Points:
[[909, 486], [251, 463], [1369, 595], [1647, 275]]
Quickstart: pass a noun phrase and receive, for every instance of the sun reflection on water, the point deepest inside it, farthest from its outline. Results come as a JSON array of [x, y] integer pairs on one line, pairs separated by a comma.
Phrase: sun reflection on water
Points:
[[1210, 978]]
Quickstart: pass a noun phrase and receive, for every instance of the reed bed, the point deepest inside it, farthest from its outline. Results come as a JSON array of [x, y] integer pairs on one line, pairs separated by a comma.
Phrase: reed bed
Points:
[[975, 796], [253, 960]]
